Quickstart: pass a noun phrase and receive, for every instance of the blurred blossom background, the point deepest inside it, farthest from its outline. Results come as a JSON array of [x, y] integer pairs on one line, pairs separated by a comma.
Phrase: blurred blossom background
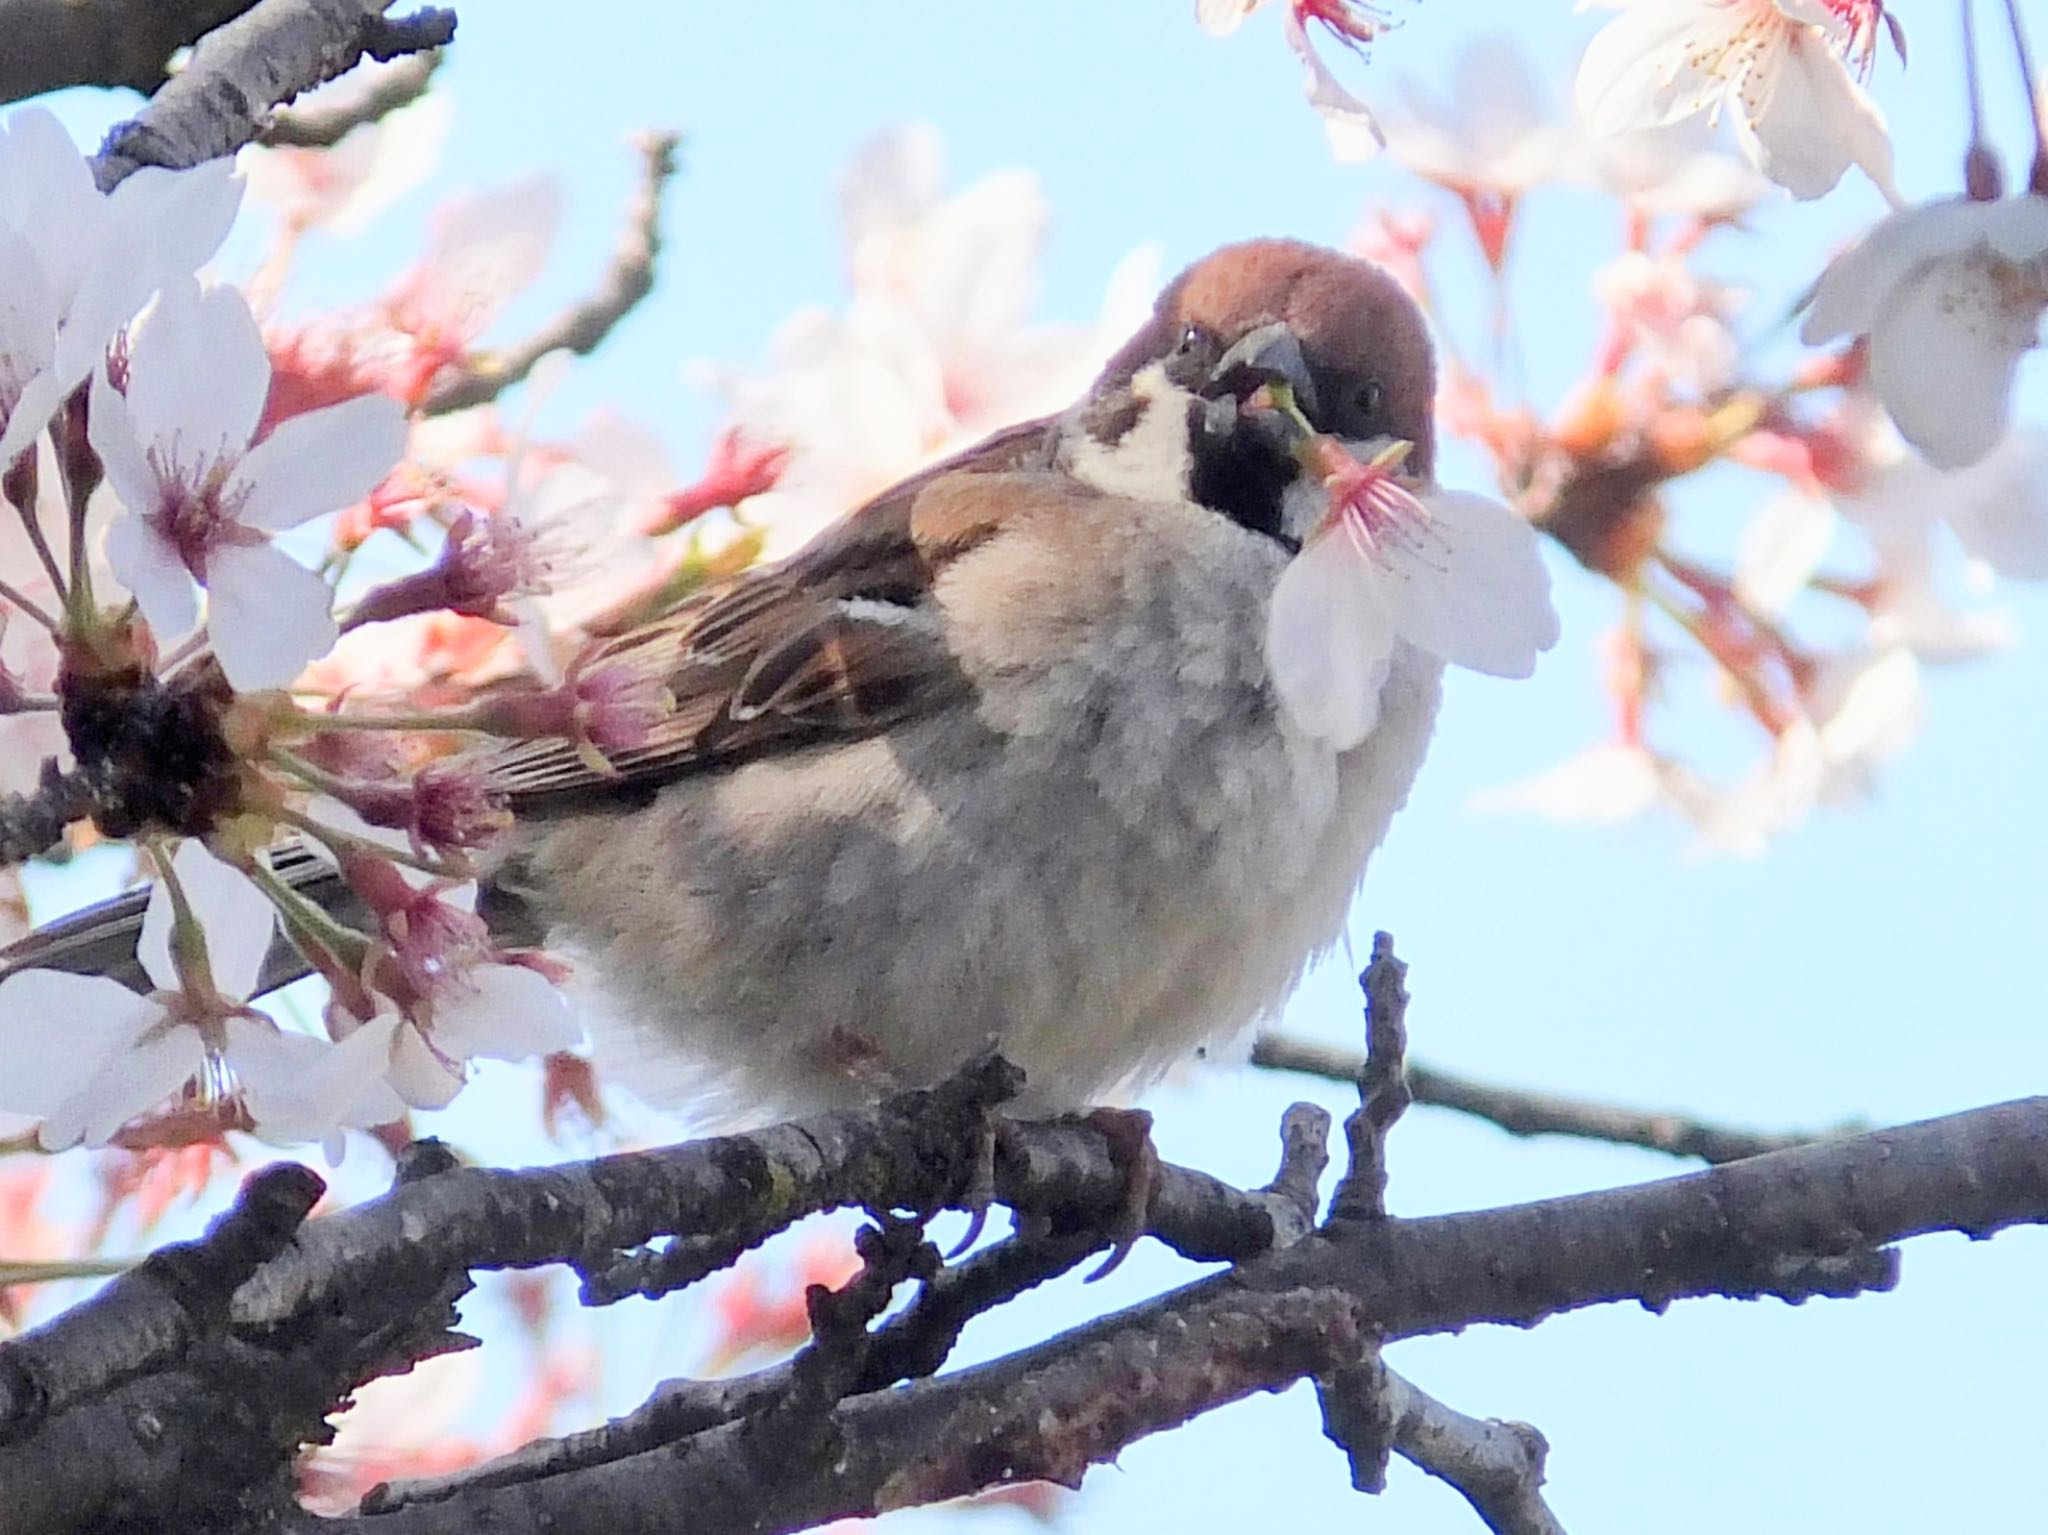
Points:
[[897, 227]]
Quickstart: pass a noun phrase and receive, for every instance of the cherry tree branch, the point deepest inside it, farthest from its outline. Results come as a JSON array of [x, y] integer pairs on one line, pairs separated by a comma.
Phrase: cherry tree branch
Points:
[[1795, 1224], [583, 326], [33, 821], [1524, 1113], [265, 57], [325, 125], [52, 44]]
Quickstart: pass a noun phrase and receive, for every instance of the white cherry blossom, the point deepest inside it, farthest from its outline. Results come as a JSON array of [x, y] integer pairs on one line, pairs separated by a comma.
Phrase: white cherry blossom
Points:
[[75, 264], [202, 499], [1777, 65], [1450, 572], [1673, 170], [1605, 785], [1353, 132], [1951, 295], [1864, 706], [934, 349], [1495, 130], [343, 187], [469, 999], [88, 1055]]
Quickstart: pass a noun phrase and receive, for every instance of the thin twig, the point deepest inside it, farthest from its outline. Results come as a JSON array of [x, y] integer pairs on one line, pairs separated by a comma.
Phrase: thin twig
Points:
[[1383, 1094], [263, 58], [1497, 1466], [327, 123], [1521, 1112], [582, 327]]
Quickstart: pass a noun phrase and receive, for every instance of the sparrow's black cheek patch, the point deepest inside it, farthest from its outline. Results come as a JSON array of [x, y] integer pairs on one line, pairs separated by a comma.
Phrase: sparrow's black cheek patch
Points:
[[1237, 470], [1110, 418]]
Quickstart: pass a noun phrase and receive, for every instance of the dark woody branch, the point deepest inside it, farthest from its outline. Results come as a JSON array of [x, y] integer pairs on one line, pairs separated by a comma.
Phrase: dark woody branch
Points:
[[52, 44], [324, 125], [1521, 1112], [1795, 1224], [1048, 1412], [265, 57], [582, 327]]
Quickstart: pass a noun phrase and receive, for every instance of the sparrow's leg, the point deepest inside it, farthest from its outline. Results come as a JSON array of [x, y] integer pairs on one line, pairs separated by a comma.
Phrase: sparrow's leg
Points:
[[1129, 1133]]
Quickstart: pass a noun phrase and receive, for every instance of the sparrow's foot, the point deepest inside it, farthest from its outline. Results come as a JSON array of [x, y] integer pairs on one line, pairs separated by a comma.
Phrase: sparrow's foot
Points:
[[979, 1192], [1129, 1133]]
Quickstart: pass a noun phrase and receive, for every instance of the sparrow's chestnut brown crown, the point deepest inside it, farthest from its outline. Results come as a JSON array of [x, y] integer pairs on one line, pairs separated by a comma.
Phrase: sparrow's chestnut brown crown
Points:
[[1337, 330], [1367, 353]]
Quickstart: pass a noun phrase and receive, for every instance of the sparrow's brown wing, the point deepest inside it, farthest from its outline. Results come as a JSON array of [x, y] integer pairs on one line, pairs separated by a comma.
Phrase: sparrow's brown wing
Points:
[[837, 641]]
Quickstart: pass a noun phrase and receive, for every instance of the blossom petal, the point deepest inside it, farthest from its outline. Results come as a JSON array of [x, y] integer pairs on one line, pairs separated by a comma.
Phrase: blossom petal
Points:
[[31, 413], [186, 213], [297, 1088], [1814, 121], [1353, 132], [1856, 287], [28, 312], [1780, 549], [267, 615], [1942, 359], [129, 1082], [1472, 588], [1633, 75], [1329, 637], [46, 185], [419, 1076], [110, 427], [1219, 18], [237, 919], [1999, 507], [320, 461], [1602, 786], [57, 1032], [504, 1012], [198, 374], [147, 564]]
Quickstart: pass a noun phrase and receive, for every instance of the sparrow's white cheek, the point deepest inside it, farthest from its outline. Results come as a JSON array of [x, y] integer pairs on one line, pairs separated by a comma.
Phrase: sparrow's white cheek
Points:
[[1151, 461]]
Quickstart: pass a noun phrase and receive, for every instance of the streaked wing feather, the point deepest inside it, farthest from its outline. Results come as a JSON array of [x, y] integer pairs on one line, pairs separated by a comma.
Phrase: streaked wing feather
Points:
[[834, 641]]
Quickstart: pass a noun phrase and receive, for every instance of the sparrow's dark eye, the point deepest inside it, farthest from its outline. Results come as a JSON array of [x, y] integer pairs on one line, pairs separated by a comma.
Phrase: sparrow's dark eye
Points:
[[1192, 340], [1368, 398]]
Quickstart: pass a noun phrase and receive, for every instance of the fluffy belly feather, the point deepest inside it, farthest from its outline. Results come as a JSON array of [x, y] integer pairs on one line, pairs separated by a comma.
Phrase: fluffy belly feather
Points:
[[1099, 865]]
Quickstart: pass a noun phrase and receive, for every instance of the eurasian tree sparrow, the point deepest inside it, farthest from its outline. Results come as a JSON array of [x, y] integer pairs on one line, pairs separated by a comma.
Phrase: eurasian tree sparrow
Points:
[[1000, 760]]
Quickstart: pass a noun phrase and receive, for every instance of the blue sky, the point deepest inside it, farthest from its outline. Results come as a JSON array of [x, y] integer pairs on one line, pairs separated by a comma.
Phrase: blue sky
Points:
[[1878, 964]]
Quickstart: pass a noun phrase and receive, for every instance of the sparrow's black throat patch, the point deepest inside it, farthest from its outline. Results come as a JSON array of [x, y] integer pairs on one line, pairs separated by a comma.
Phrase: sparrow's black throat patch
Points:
[[1240, 465]]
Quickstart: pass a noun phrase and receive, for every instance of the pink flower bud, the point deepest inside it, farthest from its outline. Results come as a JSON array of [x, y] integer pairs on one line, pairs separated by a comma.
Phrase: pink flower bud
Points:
[[612, 707], [480, 565], [737, 469], [447, 806]]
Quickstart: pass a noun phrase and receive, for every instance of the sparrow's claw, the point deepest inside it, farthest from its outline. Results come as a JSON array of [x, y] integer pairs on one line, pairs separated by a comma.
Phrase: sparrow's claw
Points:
[[980, 1189], [1129, 1133]]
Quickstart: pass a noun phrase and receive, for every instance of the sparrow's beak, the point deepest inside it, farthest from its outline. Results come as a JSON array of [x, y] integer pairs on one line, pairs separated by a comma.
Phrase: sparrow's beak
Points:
[[1269, 355]]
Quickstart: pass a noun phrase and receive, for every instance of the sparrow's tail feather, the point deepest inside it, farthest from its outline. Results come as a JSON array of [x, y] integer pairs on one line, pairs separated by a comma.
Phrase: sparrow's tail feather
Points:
[[100, 940]]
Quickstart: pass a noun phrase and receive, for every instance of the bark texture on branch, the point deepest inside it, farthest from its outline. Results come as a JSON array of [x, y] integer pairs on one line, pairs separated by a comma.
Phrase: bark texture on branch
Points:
[[265, 57], [1796, 1224], [51, 44], [1522, 1112]]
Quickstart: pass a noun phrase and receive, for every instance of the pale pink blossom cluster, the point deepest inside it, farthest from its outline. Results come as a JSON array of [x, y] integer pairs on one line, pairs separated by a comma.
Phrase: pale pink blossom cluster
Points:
[[163, 464], [1354, 132], [312, 545], [934, 348], [1854, 515]]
